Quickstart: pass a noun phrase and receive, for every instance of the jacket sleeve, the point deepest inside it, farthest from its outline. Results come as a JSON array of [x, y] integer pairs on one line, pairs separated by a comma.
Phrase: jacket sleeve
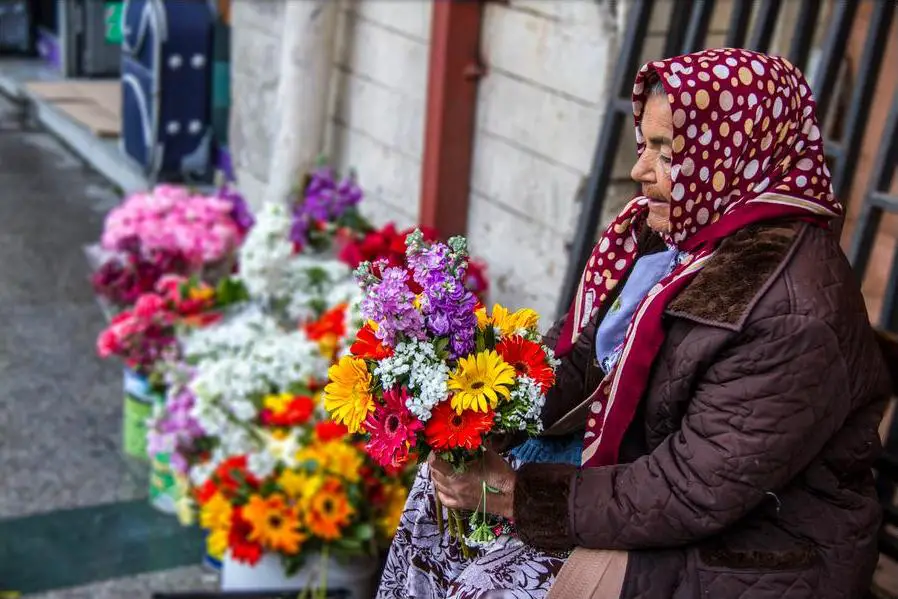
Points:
[[757, 418], [575, 378]]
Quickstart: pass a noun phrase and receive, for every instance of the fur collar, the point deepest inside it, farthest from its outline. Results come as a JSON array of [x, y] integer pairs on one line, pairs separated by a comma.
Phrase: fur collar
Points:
[[726, 290]]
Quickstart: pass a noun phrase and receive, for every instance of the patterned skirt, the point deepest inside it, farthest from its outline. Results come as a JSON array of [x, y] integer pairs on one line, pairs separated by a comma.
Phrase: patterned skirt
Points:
[[423, 564]]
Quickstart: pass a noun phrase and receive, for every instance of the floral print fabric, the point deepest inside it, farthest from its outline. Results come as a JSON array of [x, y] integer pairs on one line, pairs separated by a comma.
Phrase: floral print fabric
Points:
[[423, 564]]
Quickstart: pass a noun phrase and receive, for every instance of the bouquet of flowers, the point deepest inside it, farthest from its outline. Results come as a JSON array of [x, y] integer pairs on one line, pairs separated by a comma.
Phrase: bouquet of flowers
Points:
[[328, 206], [143, 335], [388, 244], [434, 371], [269, 473], [204, 229]]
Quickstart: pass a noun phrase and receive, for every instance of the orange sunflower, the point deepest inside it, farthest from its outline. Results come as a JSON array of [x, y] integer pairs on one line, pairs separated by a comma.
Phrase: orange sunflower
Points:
[[528, 359], [448, 429], [329, 511], [275, 524]]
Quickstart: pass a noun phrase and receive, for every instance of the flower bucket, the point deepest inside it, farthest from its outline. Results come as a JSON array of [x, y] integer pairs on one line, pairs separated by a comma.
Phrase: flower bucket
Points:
[[137, 409], [351, 581]]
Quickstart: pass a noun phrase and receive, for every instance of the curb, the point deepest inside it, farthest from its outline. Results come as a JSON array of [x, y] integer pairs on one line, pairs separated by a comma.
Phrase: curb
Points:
[[104, 156]]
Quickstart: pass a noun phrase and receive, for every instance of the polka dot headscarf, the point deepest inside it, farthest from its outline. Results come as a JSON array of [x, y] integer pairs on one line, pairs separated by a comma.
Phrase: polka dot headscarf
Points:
[[746, 148]]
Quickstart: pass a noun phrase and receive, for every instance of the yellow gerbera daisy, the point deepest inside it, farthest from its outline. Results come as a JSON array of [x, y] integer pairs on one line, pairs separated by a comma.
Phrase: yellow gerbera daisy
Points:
[[344, 460], [348, 395], [216, 513], [508, 323], [395, 495], [299, 486], [274, 523], [480, 381], [217, 542]]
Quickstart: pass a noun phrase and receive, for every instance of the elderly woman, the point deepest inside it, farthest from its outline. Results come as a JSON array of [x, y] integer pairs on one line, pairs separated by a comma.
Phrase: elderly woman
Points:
[[719, 375]]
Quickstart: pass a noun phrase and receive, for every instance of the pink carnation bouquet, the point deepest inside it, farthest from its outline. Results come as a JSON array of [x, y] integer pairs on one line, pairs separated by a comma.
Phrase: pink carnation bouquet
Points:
[[175, 219]]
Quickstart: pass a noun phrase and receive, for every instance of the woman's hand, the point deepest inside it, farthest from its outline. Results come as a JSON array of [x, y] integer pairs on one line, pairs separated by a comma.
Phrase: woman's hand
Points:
[[464, 491]]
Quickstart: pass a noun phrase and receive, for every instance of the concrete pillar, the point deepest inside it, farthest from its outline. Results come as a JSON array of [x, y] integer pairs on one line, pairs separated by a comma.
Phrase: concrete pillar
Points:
[[281, 63], [306, 64]]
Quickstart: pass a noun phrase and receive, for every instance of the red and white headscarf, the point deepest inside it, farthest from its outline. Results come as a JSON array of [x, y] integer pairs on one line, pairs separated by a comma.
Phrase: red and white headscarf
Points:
[[746, 148]]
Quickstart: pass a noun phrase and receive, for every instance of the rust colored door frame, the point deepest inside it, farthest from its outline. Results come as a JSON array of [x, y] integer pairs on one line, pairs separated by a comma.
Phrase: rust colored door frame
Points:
[[454, 70]]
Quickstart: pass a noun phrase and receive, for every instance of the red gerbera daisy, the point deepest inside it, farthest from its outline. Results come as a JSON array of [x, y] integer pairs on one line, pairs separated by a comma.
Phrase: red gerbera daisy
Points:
[[242, 549], [232, 473], [528, 359], [447, 429], [368, 347], [393, 429], [296, 413], [328, 431]]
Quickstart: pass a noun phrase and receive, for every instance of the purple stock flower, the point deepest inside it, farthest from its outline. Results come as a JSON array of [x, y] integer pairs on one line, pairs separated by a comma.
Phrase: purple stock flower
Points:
[[448, 306], [240, 211], [176, 430], [324, 200], [390, 303]]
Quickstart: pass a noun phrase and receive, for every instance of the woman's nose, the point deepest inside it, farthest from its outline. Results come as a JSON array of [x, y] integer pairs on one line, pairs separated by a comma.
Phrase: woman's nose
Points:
[[641, 173]]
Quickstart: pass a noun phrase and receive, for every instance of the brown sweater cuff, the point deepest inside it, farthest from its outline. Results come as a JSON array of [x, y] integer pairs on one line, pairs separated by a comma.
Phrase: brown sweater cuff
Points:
[[541, 512]]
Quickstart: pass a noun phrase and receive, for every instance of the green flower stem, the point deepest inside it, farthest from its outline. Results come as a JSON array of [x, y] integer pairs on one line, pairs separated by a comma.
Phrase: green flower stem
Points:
[[322, 589], [440, 524]]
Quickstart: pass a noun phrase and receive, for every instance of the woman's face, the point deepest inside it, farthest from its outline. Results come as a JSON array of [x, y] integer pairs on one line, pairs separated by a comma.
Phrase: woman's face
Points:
[[652, 170]]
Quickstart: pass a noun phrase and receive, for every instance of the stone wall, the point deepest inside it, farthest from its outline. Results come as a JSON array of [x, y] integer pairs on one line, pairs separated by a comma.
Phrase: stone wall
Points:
[[538, 115], [256, 29], [378, 102]]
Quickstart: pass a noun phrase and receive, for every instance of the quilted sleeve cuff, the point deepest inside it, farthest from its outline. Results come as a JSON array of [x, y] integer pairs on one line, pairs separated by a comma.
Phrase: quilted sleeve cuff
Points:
[[541, 508]]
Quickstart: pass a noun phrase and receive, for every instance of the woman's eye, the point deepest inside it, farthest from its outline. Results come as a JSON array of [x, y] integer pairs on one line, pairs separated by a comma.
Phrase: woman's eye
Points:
[[666, 159]]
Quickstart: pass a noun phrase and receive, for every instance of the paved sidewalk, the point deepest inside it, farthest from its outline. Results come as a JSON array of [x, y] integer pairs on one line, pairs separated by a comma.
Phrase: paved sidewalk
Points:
[[74, 520]]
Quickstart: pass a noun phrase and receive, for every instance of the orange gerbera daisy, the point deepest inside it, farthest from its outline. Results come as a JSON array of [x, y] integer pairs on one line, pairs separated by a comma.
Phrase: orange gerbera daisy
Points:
[[329, 511], [274, 523], [448, 429], [367, 346], [528, 359]]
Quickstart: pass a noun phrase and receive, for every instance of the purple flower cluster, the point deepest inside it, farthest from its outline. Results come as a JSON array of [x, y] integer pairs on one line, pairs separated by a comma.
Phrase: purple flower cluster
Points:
[[390, 303], [176, 430], [448, 306], [240, 212], [325, 200]]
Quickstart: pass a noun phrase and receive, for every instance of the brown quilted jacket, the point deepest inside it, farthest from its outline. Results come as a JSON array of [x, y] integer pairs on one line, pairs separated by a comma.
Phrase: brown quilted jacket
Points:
[[747, 470]]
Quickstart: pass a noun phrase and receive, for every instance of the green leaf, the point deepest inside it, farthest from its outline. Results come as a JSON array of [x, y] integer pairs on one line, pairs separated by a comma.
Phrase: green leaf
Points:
[[363, 532]]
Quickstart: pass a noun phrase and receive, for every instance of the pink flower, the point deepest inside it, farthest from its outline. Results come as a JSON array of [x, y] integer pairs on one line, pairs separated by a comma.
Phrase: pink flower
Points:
[[149, 305], [393, 430]]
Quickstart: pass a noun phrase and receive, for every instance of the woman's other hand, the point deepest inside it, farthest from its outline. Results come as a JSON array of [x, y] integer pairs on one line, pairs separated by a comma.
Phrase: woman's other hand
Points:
[[464, 490]]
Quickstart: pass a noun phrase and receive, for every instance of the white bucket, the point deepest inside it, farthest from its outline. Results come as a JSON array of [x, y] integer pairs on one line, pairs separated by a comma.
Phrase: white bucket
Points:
[[356, 577]]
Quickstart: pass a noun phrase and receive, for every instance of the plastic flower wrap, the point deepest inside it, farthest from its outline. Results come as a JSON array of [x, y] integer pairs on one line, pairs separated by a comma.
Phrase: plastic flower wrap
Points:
[[434, 371], [295, 285]]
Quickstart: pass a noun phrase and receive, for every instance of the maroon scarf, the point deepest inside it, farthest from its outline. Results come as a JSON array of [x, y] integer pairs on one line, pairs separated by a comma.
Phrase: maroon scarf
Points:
[[746, 148]]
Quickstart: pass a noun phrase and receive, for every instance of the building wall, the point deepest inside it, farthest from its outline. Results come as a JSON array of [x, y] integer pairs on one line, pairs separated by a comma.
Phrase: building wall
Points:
[[538, 115], [256, 29], [378, 102]]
